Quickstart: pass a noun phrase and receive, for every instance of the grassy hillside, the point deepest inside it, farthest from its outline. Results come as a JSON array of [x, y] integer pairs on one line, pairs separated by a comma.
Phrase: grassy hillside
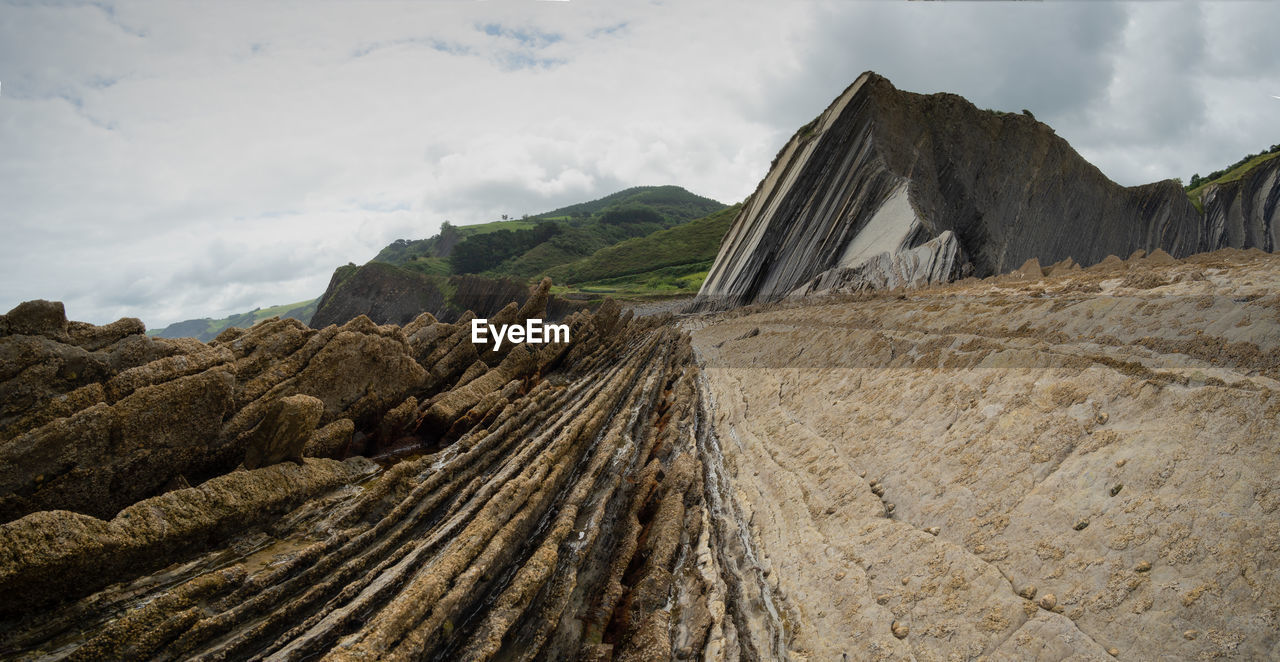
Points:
[[1233, 173], [695, 242], [531, 246], [207, 329], [679, 280]]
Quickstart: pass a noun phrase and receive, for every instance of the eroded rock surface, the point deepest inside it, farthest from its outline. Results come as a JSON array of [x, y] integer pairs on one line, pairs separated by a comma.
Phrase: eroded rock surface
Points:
[[549, 502], [1023, 467], [1057, 463]]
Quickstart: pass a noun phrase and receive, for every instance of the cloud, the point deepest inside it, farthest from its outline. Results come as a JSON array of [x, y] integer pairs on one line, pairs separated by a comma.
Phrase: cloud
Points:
[[173, 161]]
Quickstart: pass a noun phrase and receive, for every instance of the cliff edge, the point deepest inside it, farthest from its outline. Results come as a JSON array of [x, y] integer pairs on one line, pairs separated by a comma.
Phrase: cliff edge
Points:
[[882, 172]]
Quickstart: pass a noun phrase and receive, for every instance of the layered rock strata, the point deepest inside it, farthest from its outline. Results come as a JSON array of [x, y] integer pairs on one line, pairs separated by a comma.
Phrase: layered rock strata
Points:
[[1244, 212], [1056, 463], [882, 171], [549, 502], [1077, 466]]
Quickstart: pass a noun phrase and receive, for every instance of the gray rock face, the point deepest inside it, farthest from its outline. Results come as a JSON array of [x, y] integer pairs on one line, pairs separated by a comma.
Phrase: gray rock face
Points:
[[939, 260], [1243, 212], [884, 171]]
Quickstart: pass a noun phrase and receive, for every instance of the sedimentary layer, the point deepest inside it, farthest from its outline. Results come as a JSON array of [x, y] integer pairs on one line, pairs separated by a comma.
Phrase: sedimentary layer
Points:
[[1056, 463], [1077, 466], [1243, 212], [882, 171], [539, 502]]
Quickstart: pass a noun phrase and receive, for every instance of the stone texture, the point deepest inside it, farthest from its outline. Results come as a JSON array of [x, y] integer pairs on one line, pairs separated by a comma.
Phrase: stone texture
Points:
[[1077, 465], [1244, 213], [283, 432], [36, 318], [557, 525], [1006, 413], [939, 260], [884, 171], [50, 554]]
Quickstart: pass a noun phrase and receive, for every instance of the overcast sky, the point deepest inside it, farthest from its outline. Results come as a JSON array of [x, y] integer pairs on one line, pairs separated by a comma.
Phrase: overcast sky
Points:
[[177, 160]]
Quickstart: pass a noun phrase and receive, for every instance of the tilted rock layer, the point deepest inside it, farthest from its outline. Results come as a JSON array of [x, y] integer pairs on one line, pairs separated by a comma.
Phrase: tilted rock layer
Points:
[[1074, 466], [884, 171], [1078, 466], [549, 503]]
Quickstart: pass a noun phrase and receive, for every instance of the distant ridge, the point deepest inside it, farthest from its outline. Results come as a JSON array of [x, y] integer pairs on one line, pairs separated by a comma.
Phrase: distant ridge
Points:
[[207, 329], [483, 267]]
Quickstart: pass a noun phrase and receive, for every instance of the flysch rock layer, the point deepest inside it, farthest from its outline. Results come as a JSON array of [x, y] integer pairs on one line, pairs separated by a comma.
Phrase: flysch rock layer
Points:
[[883, 171], [1080, 466], [552, 507], [939, 260], [1244, 212]]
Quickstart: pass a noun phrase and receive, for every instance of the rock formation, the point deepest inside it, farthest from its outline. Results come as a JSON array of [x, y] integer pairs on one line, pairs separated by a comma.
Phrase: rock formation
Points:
[[388, 294], [560, 510], [1078, 465], [1055, 462], [1244, 212], [939, 260], [382, 292], [883, 171]]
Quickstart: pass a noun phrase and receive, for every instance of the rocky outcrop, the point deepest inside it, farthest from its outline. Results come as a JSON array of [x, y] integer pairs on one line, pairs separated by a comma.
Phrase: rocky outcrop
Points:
[[563, 516], [51, 554], [96, 418], [389, 294], [283, 432], [883, 171], [1244, 212], [1078, 466], [1057, 463], [382, 292]]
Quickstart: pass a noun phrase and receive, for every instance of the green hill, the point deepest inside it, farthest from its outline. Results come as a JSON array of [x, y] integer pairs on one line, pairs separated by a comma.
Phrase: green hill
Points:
[[529, 247], [207, 329], [1236, 171], [695, 242]]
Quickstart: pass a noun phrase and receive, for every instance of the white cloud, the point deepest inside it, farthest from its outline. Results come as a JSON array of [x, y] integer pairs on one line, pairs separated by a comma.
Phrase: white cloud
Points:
[[175, 160]]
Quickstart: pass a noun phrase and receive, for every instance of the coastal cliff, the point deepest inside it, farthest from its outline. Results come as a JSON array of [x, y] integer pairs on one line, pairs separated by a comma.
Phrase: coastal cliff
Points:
[[1242, 212], [883, 171]]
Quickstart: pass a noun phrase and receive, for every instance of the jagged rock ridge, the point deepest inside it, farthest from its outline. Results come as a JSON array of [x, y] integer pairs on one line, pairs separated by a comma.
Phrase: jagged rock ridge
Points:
[[1078, 466], [551, 501], [884, 171]]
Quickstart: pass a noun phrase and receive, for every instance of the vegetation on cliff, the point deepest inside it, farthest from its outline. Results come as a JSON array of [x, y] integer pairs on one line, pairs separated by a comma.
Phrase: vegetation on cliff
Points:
[[1232, 173], [661, 240]]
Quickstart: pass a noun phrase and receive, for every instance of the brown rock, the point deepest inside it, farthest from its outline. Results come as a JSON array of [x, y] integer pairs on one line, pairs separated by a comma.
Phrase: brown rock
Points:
[[331, 440], [36, 318], [283, 432]]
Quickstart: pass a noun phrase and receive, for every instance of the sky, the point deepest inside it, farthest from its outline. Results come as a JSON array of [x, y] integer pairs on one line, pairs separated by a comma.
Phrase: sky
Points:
[[171, 161]]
